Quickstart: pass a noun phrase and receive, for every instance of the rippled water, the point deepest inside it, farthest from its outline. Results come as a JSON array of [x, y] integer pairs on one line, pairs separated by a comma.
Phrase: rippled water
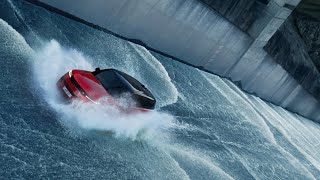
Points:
[[204, 127]]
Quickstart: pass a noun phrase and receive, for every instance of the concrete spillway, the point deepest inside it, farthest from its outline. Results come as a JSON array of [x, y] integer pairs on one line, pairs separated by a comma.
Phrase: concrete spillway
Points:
[[192, 31], [204, 127]]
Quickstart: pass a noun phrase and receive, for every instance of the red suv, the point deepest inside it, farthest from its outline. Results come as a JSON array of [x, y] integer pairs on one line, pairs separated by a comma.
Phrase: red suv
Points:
[[110, 83]]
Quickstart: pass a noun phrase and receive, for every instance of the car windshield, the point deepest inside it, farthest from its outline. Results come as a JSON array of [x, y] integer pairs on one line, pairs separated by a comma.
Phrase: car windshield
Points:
[[122, 86]]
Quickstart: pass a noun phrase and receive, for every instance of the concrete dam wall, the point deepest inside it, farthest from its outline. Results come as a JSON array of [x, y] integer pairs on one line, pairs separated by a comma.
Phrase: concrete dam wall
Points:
[[215, 37]]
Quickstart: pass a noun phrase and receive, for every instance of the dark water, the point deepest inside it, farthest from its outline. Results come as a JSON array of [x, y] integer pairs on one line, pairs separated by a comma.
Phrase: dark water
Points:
[[204, 127]]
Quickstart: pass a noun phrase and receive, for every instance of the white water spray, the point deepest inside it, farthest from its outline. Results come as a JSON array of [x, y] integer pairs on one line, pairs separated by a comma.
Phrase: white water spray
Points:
[[51, 62]]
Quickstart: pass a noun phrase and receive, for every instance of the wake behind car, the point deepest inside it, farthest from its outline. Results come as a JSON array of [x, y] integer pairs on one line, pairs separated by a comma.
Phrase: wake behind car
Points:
[[110, 85]]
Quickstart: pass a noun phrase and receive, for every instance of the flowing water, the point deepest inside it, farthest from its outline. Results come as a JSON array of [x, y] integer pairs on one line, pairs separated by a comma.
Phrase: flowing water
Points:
[[204, 127]]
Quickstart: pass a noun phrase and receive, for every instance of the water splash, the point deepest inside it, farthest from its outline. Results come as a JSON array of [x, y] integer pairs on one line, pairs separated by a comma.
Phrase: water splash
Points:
[[51, 62], [169, 93], [13, 41]]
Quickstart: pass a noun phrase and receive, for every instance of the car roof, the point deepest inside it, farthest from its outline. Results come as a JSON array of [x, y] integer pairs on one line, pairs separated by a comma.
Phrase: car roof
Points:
[[118, 81]]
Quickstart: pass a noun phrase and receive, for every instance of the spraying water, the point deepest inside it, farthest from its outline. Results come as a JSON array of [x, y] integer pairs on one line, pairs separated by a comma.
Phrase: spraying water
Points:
[[51, 62]]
